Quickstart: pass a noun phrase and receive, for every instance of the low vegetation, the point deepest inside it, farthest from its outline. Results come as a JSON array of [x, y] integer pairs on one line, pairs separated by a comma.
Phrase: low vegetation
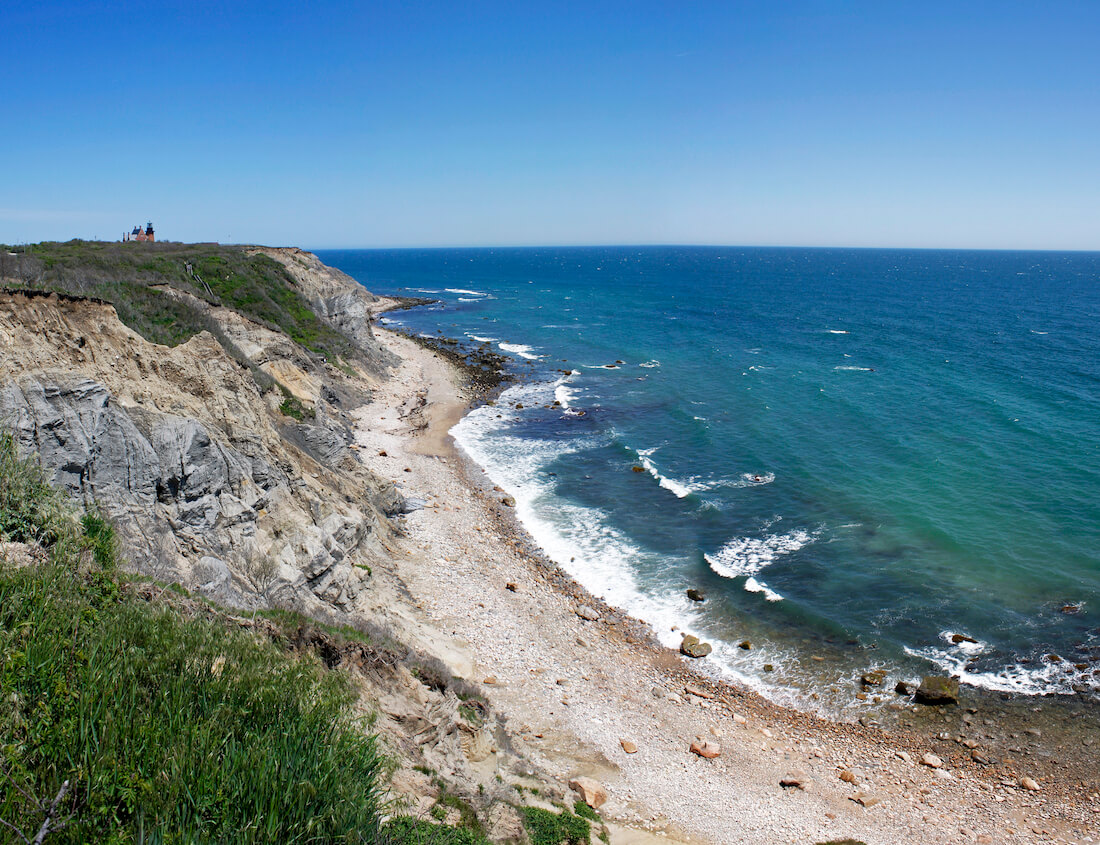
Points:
[[165, 727], [545, 827], [131, 275]]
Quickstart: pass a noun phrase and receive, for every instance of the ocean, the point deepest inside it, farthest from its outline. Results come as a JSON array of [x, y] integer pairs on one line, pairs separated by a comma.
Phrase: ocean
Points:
[[865, 458]]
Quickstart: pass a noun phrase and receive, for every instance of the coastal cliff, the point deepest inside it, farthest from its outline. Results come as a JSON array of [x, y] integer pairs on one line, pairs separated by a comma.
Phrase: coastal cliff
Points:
[[227, 465], [258, 447], [180, 449]]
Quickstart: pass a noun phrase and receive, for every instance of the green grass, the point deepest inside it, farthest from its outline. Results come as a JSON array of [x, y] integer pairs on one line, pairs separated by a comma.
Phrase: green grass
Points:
[[169, 729], [30, 510], [293, 407], [127, 276], [547, 828], [584, 811], [422, 832]]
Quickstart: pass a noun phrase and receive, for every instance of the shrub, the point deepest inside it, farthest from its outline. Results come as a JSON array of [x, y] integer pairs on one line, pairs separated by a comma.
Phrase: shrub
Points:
[[548, 828]]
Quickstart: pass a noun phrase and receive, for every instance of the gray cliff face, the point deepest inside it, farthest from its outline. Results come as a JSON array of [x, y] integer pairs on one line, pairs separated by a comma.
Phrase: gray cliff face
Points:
[[177, 494], [206, 481]]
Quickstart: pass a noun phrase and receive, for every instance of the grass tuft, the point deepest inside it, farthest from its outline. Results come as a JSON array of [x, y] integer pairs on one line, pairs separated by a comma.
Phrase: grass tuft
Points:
[[547, 828]]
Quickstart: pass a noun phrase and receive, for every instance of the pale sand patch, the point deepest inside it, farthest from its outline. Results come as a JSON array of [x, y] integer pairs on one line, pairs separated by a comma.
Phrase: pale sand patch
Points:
[[572, 689]]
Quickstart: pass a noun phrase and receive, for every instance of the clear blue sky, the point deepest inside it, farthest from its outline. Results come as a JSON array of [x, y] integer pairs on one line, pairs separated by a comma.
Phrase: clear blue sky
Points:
[[358, 124]]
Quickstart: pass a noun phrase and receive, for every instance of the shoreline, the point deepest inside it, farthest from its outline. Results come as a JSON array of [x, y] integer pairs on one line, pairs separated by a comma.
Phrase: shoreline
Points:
[[573, 688]]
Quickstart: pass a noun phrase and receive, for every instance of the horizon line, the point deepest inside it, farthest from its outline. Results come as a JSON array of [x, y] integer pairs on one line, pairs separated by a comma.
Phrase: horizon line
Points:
[[672, 245]]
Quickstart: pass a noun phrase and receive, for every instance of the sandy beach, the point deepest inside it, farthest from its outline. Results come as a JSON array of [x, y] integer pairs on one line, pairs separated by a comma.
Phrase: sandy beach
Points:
[[580, 684]]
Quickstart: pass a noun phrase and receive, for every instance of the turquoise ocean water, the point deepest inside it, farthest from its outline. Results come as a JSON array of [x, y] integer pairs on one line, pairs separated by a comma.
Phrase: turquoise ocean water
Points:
[[857, 453]]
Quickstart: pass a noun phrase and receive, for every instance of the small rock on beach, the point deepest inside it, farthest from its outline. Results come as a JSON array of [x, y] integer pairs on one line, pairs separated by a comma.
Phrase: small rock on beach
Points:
[[709, 750]]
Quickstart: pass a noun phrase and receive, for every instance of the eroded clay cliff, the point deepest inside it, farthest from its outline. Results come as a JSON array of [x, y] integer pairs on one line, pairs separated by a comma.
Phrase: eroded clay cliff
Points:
[[208, 482]]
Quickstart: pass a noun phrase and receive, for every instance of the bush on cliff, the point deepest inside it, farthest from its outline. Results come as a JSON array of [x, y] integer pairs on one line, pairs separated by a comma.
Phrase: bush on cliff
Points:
[[166, 728]]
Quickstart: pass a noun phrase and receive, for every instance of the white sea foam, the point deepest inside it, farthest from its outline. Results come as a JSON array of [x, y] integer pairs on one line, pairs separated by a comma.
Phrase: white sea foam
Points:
[[1043, 679], [1034, 331], [746, 556], [467, 292], [750, 479], [752, 585], [678, 488], [650, 364], [425, 290], [836, 331], [468, 299], [563, 393], [963, 646], [522, 350], [480, 339], [856, 369]]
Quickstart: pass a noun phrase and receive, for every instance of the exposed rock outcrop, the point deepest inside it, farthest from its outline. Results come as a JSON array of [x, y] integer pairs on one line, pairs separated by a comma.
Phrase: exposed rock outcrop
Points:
[[181, 450], [337, 299]]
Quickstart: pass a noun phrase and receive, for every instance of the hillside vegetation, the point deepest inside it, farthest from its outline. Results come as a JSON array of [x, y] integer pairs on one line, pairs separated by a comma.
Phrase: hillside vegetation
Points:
[[129, 275], [167, 727]]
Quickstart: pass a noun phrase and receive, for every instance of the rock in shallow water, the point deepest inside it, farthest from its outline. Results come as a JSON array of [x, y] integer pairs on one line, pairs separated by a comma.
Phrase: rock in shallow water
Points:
[[936, 689], [873, 678], [692, 647]]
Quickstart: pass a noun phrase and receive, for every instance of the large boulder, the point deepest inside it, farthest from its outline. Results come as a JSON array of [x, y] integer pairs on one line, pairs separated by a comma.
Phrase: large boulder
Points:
[[937, 689], [692, 647], [591, 791]]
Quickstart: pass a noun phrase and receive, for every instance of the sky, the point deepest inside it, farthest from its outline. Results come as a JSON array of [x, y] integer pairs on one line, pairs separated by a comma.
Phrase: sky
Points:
[[325, 124]]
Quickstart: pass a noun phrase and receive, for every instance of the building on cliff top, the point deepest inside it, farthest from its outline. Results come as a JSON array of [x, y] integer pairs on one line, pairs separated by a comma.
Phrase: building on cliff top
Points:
[[139, 234]]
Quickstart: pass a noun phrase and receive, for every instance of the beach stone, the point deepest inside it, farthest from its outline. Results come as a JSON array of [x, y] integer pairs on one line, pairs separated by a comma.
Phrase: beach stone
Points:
[[937, 689], [962, 638], [508, 501], [692, 647], [866, 800], [628, 746], [1029, 784], [745, 644], [637, 468], [696, 594], [847, 776], [512, 587], [708, 750], [592, 792], [873, 678], [795, 780], [929, 759], [585, 612], [702, 693], [490, 680]]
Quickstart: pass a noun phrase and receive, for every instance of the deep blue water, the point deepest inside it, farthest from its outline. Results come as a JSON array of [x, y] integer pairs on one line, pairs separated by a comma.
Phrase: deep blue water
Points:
[[857, 453]]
